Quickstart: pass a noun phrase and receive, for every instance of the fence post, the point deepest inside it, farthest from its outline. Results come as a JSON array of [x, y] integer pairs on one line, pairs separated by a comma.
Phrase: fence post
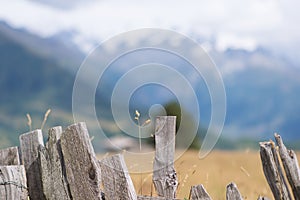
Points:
[[9, 156], [116, 180], [82, 169], [273, 171], [13, 182], [291, 167], [53, 173], [232, 192], [198, 192], [30, 144], [164, 174]]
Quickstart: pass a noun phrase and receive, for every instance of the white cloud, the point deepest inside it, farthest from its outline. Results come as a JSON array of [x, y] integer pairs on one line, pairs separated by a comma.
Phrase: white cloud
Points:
[[225, 40], [37, 18], [235, 23]]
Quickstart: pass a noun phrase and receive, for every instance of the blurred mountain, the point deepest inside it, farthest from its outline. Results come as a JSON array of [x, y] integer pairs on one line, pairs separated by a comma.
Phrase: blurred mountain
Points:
[[262, 94], [262, 90], [33, 78], [59, 47], [38, 73], [66, 4]]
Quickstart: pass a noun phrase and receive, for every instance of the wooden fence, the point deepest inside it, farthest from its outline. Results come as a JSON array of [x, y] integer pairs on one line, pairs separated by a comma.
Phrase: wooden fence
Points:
[[66, 168]]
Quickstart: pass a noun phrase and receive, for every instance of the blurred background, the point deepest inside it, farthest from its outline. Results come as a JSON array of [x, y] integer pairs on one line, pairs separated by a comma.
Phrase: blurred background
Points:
[[255, 45]]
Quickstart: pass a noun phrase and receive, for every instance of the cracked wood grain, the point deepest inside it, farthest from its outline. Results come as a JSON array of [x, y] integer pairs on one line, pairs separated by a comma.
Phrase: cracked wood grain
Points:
[[164, 174], [82, 169], [116, 180]]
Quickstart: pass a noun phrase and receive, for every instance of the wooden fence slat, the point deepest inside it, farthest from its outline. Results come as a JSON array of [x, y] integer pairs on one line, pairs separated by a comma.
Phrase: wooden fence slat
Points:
[[198, 192], [232, 192], [30, 144], [164, 174], [291, 167], [116, 180], [13, 182], [9, 156], [273, 171], [53, 174], [82, 170]]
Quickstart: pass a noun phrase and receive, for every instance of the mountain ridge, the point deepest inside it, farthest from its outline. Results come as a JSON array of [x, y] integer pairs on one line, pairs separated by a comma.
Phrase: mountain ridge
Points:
[[36, 76]]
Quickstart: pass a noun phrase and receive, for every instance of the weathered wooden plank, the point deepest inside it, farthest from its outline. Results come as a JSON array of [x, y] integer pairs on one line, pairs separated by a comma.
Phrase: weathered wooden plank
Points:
[[9, 156], [30, 144], [53, 173], [82, 169], [13, 182], [164, 174], [232, 192], [198, 192], [273, 171], [291, 167], [116, 180]]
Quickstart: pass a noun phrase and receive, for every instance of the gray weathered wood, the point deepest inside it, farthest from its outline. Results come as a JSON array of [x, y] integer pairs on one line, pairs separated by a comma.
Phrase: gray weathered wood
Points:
[[198, 192], [13, 183], [82, 169], [30, 144], [53, 174], [273, 171], [9, 156], [164, 174], [291, 167], [116, 180], [232, 192]]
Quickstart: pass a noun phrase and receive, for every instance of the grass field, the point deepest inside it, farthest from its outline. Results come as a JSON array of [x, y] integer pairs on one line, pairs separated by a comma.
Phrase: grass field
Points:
[[215, 171]]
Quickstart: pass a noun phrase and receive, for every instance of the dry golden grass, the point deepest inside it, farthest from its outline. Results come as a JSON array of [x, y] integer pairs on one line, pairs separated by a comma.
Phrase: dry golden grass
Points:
[[215, 171]]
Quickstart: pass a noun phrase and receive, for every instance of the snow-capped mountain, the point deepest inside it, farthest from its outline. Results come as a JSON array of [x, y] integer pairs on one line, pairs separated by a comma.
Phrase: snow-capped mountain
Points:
[[262, 88]]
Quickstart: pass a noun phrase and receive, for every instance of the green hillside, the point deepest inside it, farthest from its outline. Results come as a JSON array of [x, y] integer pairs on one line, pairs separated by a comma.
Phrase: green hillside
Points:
[[30, 83]]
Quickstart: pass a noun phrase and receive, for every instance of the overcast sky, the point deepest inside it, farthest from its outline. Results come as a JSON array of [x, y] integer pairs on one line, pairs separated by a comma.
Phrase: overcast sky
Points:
[[233, 23]]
